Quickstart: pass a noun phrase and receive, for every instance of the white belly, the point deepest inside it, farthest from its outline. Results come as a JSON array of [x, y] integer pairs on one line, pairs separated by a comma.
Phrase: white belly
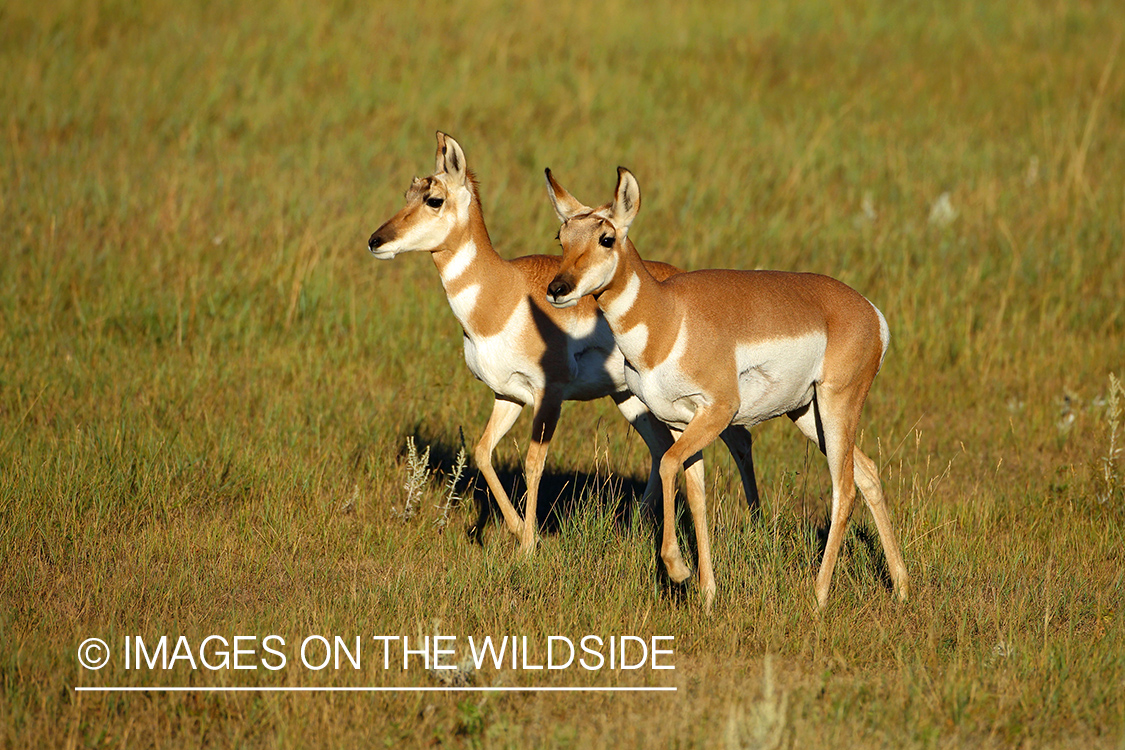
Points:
[[499, 362], [595, 365], [774, 378], [666, 392], [665, 389]]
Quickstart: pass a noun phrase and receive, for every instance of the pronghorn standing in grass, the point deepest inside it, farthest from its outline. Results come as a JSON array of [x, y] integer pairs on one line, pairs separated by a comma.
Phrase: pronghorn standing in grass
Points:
[[525, 350], [710, 349]]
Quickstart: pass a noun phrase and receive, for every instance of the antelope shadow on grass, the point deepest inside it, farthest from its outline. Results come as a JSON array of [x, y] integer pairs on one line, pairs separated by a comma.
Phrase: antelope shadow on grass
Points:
[[807, 524], [860, 541], [563, 494], [566, 494]]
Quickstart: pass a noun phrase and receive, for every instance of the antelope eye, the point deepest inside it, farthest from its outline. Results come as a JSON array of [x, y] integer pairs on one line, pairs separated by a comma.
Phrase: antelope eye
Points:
[[435, 202], [606, 240]]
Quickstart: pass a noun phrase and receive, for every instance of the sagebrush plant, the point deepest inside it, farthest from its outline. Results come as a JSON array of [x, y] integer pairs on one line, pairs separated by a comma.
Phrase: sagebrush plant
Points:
[[452, 497], [461, 674], [1108, 482], [417, 481], [762, 725]]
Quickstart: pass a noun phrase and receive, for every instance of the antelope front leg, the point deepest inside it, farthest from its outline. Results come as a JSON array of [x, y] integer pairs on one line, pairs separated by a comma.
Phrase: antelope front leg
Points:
[[669, 545], [657, 437], [542, 430], [739, 444], [504, 415], [697, 501], [704, 427]]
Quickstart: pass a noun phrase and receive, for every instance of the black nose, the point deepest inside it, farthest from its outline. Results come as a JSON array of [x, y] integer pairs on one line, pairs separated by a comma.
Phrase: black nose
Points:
[[558, 288], [375, 241]]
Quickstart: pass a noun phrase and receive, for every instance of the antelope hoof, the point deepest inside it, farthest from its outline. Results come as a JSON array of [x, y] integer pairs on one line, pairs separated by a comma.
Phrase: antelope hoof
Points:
[[677, 571], [516, 528], [527, 549], [821, 600]]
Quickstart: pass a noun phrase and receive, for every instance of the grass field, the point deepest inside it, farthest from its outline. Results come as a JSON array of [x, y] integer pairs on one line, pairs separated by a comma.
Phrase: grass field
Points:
[[207, 384]]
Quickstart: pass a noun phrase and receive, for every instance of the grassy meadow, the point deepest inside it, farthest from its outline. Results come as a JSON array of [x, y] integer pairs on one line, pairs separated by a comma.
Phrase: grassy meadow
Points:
[[207, 383]]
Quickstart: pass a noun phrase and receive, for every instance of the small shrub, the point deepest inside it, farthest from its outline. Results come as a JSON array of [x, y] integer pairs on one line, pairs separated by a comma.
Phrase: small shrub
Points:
[[417, 467], [1107, 477]]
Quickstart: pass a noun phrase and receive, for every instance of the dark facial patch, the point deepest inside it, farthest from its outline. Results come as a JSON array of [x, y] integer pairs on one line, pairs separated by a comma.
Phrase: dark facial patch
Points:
[[381, 236]]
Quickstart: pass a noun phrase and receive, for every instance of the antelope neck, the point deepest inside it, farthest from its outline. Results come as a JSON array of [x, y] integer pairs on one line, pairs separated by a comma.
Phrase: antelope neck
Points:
[[471, 272], [640, 313]]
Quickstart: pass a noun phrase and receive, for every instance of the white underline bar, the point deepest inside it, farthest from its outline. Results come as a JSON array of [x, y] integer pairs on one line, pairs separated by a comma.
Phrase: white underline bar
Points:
[[132, 689]]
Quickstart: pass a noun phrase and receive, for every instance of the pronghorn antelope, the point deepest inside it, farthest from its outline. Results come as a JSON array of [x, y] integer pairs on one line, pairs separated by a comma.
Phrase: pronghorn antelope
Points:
[[525, 350], [710, 349]]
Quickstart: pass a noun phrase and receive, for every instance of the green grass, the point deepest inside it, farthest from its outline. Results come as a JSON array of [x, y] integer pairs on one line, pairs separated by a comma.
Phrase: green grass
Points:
[[201, 367]]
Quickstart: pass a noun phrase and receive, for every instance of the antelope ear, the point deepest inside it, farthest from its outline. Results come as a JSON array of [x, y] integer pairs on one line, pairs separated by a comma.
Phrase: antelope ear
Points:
[[566, 205], [626, 200], [450, 158]]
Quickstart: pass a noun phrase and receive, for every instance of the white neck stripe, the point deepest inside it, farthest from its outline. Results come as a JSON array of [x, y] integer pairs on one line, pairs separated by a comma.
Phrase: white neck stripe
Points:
[[623, 302], [462, 258]]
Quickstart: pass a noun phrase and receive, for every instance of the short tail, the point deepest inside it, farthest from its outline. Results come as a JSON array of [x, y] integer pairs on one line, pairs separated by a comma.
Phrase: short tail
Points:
[[884, 332]]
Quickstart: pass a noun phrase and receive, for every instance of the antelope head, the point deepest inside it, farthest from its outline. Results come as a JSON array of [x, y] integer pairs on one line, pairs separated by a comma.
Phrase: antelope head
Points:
[[592, 239], [435, 207]]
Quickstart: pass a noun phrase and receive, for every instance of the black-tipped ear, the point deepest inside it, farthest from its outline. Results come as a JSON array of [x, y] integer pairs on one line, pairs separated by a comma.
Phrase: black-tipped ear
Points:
[[626, 199], [450, 158], [566, 205]]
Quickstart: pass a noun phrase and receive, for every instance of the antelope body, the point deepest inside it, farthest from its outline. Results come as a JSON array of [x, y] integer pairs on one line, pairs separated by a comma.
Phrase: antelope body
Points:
[[709, 349], [527, 351]]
